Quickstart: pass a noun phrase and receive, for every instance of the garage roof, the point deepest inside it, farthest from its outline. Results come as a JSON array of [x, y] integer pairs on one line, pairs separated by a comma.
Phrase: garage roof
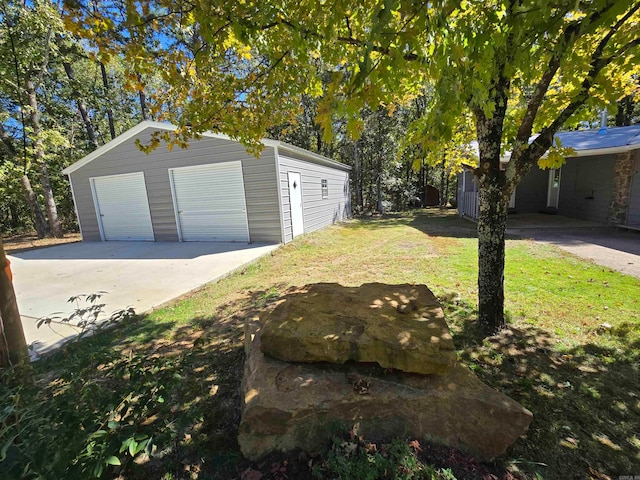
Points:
[[134, 131]]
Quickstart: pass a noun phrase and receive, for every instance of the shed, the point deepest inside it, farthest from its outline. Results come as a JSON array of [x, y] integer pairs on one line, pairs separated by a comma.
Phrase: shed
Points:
[[211, 191]]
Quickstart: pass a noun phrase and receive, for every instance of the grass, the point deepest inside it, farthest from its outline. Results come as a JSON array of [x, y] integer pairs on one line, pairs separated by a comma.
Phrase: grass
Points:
[[571, 355]]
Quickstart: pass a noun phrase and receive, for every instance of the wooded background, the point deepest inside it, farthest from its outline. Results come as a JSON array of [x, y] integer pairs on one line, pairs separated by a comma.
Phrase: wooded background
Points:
[[61, 99]]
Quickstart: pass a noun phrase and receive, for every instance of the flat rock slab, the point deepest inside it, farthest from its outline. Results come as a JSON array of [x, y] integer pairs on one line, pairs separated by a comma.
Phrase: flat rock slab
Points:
[[396, 326], [289, 406]]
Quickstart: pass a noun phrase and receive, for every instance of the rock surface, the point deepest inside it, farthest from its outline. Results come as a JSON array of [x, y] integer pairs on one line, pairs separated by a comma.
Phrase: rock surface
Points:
[[396, 326], [289, 406]]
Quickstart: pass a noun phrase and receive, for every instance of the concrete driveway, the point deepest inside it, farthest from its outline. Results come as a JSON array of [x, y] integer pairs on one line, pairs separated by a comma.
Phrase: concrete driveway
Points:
[[607, 246], [142, 275]]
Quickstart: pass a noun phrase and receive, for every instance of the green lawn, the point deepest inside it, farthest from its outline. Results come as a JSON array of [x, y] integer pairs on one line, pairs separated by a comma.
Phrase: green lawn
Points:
[[571, 355]]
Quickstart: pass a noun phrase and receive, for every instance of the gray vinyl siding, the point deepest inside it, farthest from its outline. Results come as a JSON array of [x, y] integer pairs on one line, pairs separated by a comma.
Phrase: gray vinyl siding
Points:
[[317, 212], [259, 179], [531, 192], [633, 216], [459, 192], [467, 194], [586, 188]]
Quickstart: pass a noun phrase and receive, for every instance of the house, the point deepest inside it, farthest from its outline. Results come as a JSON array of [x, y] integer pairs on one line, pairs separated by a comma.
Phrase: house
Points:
[[600, 183], [211, 191]]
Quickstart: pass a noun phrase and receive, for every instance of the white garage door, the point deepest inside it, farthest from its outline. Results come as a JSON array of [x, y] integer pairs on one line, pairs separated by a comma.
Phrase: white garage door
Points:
[[122, 207], [210, 203]]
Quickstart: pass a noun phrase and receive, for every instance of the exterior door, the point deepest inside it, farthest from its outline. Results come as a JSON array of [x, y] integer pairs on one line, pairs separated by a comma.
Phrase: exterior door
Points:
[[553, 192], [122, 207], [209, 202], [295, 200]]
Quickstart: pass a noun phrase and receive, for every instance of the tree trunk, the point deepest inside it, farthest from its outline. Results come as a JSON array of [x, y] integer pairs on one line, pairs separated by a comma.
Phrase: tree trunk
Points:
[[443, 200], [624, 112], [143, 100], [492, 223], [105, 84], [50, 202], [356, 176], [14, 215], [39, 222], [380, 207], [492, 216], [13, 346], [82, 108], [447, 181], [421, 188]]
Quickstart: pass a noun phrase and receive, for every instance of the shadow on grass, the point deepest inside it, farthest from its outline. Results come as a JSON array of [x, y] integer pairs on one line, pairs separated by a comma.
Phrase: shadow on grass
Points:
[[585, 400], [179, 385], [431, 221], [176, 385]]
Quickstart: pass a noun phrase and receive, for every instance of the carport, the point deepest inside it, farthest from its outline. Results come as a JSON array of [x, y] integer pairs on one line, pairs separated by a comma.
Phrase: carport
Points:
[[142, 275]]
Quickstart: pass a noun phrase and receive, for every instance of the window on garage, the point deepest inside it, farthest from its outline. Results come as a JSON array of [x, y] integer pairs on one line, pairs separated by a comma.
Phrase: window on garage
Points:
[[325, 188]]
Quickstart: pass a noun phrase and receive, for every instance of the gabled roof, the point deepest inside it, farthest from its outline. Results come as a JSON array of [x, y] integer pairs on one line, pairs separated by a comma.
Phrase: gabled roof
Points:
[[149, 125]]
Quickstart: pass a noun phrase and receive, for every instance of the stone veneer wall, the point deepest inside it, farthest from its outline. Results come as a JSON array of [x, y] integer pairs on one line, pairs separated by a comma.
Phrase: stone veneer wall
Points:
[[622, 175]]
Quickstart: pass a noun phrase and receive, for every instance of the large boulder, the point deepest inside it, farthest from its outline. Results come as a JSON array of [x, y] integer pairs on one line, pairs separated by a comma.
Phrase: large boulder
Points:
[[289, 406], [396, 326]]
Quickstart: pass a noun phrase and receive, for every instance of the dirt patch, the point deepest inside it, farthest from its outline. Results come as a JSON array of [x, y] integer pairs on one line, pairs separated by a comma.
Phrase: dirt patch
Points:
[[25, 242]]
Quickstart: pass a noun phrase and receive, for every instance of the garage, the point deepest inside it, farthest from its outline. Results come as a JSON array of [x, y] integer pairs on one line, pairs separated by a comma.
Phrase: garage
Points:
[[122, 207], [211, 190], [209, 202]]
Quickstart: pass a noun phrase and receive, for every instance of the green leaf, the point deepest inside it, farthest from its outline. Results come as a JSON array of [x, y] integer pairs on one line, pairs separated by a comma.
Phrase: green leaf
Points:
[[142, 446], [112, 460], [125, 444], [133, 447]]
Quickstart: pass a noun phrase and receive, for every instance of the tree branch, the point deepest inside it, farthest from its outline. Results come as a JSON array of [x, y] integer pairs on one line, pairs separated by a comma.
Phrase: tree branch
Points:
[[16, 68], [45, 60], [572, 32], [542, 143], [7, 141], [523, 158], [349, 40]]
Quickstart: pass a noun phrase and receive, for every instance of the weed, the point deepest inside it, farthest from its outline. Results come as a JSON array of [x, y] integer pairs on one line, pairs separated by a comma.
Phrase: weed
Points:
[[88, 316], [354, 459]]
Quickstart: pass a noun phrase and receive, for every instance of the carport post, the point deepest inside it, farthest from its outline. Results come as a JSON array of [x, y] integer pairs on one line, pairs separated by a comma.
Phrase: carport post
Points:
[[13, 346]]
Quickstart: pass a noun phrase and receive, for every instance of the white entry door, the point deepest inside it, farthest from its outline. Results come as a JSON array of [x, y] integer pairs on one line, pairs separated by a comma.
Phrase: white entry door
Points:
[[295, 200], [209, 202], [122, 207], [553, 192]]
